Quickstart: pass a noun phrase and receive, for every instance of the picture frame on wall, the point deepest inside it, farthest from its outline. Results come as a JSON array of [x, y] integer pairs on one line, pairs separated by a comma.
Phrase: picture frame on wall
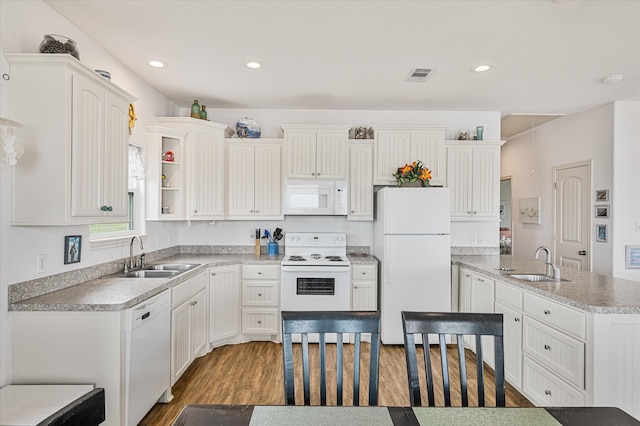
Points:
[[72, 248], [602, 195], [601, 233], [632, 258], [530, 210], [602, 211]]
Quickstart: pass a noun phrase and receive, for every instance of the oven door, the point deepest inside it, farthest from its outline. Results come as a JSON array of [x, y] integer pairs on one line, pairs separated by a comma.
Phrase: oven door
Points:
[[315, 288]]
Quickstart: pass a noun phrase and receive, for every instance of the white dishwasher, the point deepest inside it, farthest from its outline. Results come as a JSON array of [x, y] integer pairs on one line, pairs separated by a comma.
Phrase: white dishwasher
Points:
[[148, 356]]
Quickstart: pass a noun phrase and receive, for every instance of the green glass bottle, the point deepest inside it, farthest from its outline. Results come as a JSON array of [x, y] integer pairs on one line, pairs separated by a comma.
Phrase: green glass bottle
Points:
[[195, 109], [203, 112]]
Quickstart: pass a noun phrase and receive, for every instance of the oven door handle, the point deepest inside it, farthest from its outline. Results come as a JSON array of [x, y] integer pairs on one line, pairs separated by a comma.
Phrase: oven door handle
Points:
[[316, 270]]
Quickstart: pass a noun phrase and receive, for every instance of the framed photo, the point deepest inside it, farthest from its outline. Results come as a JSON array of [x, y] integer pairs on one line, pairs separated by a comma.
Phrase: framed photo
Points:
[[601, 233], [602, 195], [72, 248], [602, 211], [632, 257], [530, 210]]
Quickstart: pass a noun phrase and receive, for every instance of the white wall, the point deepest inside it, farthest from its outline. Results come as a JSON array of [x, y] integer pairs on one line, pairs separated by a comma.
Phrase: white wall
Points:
[[587, 136], [625, 196]]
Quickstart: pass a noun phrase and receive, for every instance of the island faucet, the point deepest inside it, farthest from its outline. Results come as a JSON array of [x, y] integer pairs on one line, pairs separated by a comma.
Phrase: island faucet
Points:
[[132, 262], [552, 271]]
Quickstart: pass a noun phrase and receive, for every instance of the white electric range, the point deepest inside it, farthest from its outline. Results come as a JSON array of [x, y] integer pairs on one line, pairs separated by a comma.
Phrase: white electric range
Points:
[[315, 272]]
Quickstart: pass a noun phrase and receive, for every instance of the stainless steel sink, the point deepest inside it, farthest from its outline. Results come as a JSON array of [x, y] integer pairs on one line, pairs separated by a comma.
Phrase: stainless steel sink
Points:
[[150, 273], [535, 278], [180, 267]]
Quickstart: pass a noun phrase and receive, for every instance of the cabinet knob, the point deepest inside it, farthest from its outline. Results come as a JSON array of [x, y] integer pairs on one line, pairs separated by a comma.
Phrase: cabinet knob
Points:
[[103, 208], [195, 211], [475, 212], [364, 272], [547, 392], [213, 274], [582, 252], [259, 322], [481, 280], [259, 294], [547, 347], [250, 211], [353, 211], [547, 312], [313, 174], [516, 319], [194, 303], [355, 287]]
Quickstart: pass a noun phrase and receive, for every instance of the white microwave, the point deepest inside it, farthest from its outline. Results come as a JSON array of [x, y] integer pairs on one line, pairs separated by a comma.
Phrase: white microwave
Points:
[[316, 197]]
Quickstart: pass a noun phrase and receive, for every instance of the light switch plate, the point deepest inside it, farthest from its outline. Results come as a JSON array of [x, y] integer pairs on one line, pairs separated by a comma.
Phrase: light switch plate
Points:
[[41, 265]]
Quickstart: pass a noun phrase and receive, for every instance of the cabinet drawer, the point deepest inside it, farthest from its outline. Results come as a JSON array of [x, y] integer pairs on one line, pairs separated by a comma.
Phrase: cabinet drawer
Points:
[[260, 321], [260, 272], [544, 388], [260, 293], [508, 295], [364, 272], [558, 352], [556, 315], [188, 289]]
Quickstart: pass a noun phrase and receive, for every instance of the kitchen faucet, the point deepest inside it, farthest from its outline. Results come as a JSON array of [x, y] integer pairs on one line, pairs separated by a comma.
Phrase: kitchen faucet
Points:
[[552, 271], [132, 263]]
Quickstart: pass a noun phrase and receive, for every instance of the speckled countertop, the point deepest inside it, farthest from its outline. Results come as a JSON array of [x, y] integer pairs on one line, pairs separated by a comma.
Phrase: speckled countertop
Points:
[[587, 291], [114, 293]]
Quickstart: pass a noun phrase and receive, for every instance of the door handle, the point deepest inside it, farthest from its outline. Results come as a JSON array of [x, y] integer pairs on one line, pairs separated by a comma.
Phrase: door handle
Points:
[[582, 252]]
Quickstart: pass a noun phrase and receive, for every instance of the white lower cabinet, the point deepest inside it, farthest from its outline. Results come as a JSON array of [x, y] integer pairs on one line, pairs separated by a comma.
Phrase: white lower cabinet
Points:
[[261, 300], [364, 287], [188, 323], [482, 300], [224, 304], [512, 321], [545, 388]]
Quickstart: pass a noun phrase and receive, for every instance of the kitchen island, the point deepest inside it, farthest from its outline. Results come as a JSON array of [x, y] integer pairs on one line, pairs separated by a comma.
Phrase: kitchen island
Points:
[[567, 343]]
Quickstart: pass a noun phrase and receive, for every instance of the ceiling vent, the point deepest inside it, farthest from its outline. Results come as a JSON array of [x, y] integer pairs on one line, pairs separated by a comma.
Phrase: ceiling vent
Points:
[[419, 75]]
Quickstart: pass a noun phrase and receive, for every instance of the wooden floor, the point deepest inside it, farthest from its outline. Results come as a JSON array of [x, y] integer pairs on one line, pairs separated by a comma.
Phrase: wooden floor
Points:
[[251, 373]]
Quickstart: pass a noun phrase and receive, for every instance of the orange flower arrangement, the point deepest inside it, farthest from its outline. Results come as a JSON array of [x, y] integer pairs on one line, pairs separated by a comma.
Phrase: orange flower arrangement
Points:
[[412, 173]]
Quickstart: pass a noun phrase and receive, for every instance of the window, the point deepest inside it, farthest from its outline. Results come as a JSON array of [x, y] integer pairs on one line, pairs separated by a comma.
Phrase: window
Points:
[[103, 232]]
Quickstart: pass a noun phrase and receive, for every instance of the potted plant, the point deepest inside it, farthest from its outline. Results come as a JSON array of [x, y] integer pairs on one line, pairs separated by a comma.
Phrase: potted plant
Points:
[[414, 174]]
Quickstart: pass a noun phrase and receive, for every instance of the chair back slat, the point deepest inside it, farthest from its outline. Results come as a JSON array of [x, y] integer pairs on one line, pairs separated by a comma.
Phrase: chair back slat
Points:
[[458, 325], [338, 323]]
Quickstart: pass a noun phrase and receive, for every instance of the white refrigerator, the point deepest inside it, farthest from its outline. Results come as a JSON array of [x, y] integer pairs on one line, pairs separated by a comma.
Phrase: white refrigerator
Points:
[[412, 242]]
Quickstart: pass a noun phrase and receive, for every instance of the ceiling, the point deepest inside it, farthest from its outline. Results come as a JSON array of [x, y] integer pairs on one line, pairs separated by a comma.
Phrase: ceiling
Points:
[[547, 56]]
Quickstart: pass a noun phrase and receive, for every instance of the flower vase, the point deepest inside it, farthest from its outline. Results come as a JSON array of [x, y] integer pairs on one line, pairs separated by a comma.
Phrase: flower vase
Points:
[[416, 184]]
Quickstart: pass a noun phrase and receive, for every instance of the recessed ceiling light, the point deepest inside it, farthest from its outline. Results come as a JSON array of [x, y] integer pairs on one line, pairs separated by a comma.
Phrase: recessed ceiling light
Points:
[[616, 78], [482, 68], [157, 64], [254, 65]]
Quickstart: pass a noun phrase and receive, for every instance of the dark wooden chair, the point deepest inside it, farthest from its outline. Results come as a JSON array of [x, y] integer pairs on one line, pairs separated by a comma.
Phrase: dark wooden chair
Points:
[[458, 324], [323, 322]]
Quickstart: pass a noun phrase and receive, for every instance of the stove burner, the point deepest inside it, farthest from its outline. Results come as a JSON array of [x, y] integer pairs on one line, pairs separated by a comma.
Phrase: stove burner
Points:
[[296, 258], [315, 256], [334, 258]]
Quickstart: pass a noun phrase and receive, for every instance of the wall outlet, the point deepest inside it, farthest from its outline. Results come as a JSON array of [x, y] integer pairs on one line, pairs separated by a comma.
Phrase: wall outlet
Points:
[[41, 265], [473, 241], [480, 240]]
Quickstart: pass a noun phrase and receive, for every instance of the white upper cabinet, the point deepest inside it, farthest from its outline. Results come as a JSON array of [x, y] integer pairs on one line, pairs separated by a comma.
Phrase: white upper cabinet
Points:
[[400, 145], [75, 166], [473, 176], [204, 165], [254, 181], [360, 180], [316, 152]]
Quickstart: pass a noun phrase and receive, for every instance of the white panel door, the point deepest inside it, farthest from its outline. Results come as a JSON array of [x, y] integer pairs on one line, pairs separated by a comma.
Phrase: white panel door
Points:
[[393, 150], [428, 147], [300, 149], [331, 154], [267, 183], [224, 303], [241, 180], [364, 296], [572, 216], [88, 172], [205, 148], [360, 182]]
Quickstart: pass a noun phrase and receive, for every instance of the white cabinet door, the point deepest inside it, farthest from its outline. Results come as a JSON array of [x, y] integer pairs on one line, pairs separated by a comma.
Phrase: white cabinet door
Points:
[[473, 176], [300, 154], [206, 173], [199, 310], [224, 304], [331, 154], [313, 152], [364, 287], [393, 150], [254, 187], [116, 156], [360, 181], [268, 184], [512, 321], [181, 353], [482, 301], [428, 147], [465, 290], [241, 180]]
